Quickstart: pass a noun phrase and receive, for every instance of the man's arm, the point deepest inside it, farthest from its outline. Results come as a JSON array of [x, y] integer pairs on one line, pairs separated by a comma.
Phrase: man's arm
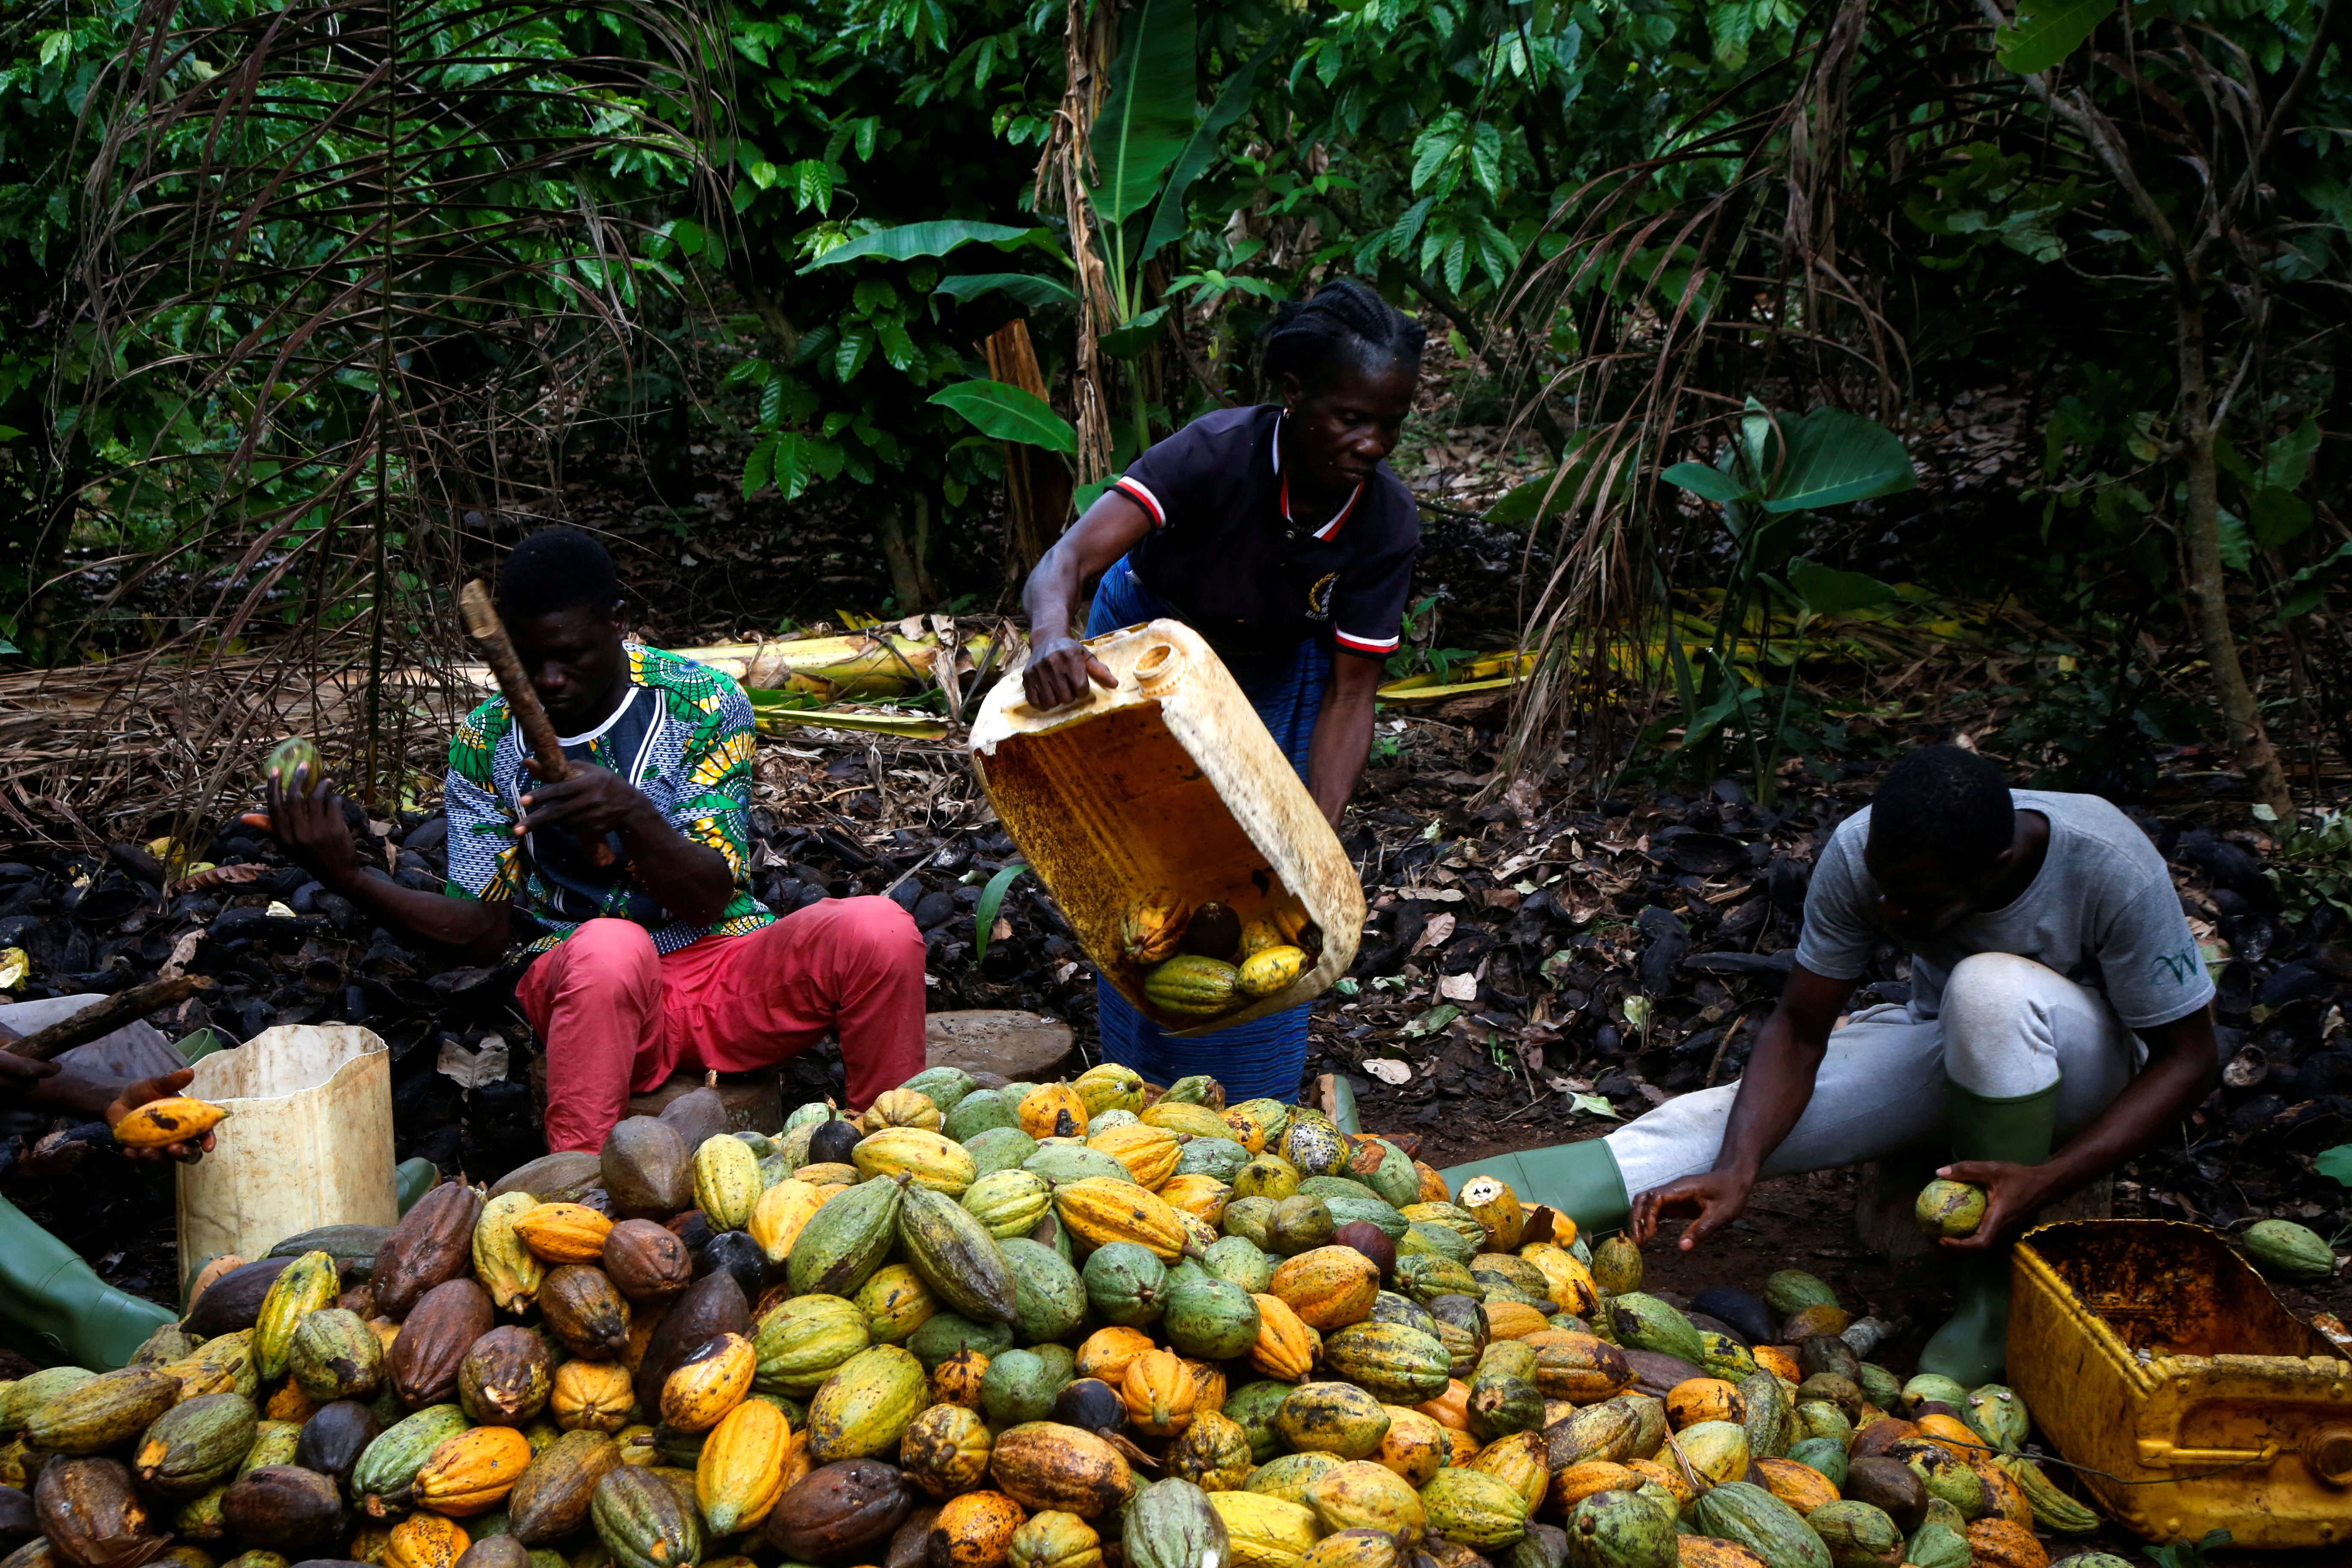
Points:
[[1343, 733], [311, 831], [49, 1086], [2182, 1068], [1773, 1093], [1059, 667]]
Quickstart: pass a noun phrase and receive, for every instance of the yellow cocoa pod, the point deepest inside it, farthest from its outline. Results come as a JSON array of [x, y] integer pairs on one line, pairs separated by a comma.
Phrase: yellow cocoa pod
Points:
[[1159, 1393], [1363, 1495], [1100, 1210], [726, 1180], [740, 1471], [504, 1266], [901, 1108], [1329, 1287], [1264, 1531], [591, 1396], [563, 1233], [1053, 1111], [1497, 1207], [472, 1472], [1149, 1154], [1109, 1087], [425, 1541], [778, 1215], [1415, 1447], [1285, 1348], [160, 1122], [896, 1302], [927, 1159], [708, 1383], [1201, 1196], [1269, 971], [309, 1285]]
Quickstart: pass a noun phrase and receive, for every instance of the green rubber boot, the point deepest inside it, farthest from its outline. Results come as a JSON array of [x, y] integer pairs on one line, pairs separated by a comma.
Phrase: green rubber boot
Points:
[[1580, 1179], [56, 1307], [1973, 1347]]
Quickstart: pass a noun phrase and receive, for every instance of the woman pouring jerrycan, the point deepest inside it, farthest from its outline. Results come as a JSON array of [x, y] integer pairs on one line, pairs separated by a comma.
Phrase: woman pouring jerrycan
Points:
[[1280, 535]]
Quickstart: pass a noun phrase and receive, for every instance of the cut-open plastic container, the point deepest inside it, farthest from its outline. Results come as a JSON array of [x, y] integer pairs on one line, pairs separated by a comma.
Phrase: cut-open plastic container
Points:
[[308, 1142], [1167, 783], [2151, 1354]]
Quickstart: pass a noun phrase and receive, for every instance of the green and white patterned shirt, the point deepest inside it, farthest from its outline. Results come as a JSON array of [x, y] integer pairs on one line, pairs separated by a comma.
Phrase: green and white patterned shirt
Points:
[[683, 734]]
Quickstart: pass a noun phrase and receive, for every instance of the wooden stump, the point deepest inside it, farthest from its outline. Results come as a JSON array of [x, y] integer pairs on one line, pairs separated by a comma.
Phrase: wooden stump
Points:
[[1020, 1047], [754, 1101]]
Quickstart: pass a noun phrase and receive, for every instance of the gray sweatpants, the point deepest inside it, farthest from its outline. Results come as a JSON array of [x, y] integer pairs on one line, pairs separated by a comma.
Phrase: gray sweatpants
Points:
[[2008, 1028]]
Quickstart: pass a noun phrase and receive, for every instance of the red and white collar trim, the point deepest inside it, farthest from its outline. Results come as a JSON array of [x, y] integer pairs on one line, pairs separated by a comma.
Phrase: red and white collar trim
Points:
[[1330, 530]]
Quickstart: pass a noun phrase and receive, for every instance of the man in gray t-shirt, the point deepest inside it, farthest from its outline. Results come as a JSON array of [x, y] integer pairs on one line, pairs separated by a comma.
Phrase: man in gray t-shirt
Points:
[[2060, 1023]]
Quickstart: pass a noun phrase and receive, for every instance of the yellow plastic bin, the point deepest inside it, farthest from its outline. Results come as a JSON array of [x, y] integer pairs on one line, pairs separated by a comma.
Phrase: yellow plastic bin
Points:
[[1168, 782], [2148, 1349], [308, 1142]]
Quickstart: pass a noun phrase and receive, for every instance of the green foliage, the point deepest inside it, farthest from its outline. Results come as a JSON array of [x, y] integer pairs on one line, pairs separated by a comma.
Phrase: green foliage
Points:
[[1770, 476], [2047, 31], [2310, 861], [991, 898]]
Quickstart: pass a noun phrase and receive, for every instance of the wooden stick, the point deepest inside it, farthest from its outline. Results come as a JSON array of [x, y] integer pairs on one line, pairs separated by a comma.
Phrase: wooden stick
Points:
[[106, 1016], [482, 623]]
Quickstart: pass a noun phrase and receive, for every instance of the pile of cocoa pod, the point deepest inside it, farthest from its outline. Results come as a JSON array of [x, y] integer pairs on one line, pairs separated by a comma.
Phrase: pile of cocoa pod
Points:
[[992, 1325]]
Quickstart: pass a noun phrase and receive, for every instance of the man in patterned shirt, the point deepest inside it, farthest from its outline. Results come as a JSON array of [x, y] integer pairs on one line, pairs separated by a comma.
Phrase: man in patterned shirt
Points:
[[660, 959]]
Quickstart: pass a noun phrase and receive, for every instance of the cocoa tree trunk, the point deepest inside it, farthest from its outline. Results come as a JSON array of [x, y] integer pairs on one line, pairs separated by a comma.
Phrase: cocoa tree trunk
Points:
[[2208, 587]]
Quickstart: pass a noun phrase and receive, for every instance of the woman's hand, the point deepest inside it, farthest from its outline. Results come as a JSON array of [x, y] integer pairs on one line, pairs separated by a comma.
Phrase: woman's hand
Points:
[[143, 1092], [1059, 668], [18, 1074]]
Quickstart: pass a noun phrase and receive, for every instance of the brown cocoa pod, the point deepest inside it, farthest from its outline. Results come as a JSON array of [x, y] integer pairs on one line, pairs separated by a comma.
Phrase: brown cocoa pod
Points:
[[645, 1262], [495, 1552], [553, 1178], [711, 1306], [1891, 1486], [333, 1438], [35, 1553], [423, 1363], [1656, 1374], [1371, 1240], [837, 1509], [552, 1498], [911, 1544], [358, 1299], [1873, 1441], [697, 1116], [433, 1244], [505, 1377], [648, 1169], [232, 1301], [91, 1514], [283, 1509], [17, 1525], [583, 1311]]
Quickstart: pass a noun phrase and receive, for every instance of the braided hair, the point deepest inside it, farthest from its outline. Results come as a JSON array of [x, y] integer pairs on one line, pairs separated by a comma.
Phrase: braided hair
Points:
[[1345, 325], [1945, 803], [556, 569]]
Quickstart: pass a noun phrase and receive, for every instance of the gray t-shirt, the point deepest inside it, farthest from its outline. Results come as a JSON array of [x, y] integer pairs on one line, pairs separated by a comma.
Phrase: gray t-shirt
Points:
[[2102, 911]]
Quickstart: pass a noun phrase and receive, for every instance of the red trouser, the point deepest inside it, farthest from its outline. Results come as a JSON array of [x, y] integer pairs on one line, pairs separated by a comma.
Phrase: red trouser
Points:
[[615, 1018]]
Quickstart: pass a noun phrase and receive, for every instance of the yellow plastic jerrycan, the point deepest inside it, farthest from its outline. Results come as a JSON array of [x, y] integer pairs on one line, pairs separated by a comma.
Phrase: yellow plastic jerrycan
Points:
[[1168, 782], [2152, 1355]]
